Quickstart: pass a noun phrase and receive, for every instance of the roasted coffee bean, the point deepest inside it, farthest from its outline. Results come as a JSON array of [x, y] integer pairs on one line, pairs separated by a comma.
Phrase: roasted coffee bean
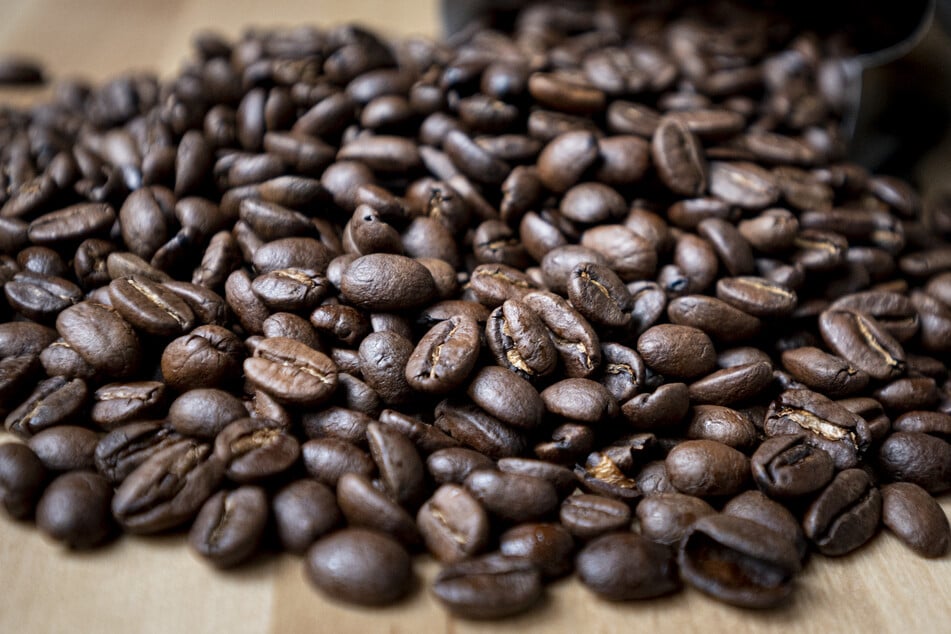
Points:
[[508, 397], [115, 404], [101, 337], [574, 338], [916, 518], [660, 410], [387, 282], [707, 468], [65, 448], [828, 426], [291, 372], [599, 295], [74, 509], [444, 357], [757, 507], [453, 524], [581, 400], [679, 158], [588, 516], [206, 357], [327, 459], [757, 296], [666, 517], [513, 497], [625, 566], [72, 224], [364, 505], [359, 566], [454, 464], [845, 515], [935, 423], [424, 436], [624, 371], [55, 401], [894, 312], [253, 450], [122, 450], [743, 184], [22, 477], [718, 319], [40, 297], [630, 255], [918, 458], [732, 385], [304, 510], [399, 464], [488, 587], [204, 412], [861, 340], [229, 526], [725, 425], [789, 466], [565, 158], [738, 561], [677, 351], [383, 361], [548, 546], [823, 372], [168, 488], [520, 341]]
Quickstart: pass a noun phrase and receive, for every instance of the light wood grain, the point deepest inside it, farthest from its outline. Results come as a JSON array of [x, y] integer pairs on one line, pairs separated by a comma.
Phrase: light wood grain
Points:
[[157, 586]]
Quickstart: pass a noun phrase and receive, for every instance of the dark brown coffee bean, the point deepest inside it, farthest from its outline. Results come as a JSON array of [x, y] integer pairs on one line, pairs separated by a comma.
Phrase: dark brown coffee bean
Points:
[[788, 466], [101, 337], [22, 477], [679, 158], [168, 488], [624, 372], [565, 158], [399, 464], [581, 400], [387, 282], [738, 561], [600, 295], [364, 505], [845, 515], [488, 587], [680, 351], [55, 401], [122, 450], [424, 436], [74, 509], [827, 425], [253, 450], [757, 507], [715, 422], [291, 372], [493, 284], [548, 546], [360, 566], [717, 318], [327, 459], [575, 340], [918, 458], [732, 385], [72, 224], [40, 297], [707, 468], [743, 184], [519, 340], [916, 518], [304, 510], [65, 448], [935, 423], [507, 397], [625, 566], [206, 357], [444, 357], [118, 403], [824, 372], [382, 153], [588, 516], [453, 524], [666, 517], [383, 361], [229, 526], [591, 203], [861, 340], [652, 479], [757, 296], [473, 160], [454, 464], [513, 497], [662, 409]]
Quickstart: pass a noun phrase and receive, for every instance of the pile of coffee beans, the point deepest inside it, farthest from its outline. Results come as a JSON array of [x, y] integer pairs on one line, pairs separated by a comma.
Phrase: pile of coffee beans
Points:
[[593, 291]]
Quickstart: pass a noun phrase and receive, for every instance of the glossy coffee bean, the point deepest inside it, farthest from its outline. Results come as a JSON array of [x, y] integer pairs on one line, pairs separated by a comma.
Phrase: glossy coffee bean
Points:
[[359, 566], [845, 515], [488, 587], [74, 509], [625, 566], [229, 526]]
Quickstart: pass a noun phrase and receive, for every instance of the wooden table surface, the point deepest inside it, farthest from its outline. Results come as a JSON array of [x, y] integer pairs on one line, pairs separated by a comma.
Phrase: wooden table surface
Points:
[[156, 585]]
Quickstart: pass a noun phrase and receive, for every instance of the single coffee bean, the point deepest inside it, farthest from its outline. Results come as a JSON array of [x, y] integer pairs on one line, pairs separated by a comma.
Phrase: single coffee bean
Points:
[[488, 587], [55, 401], [679, 158], [823, 372], [327, 459], [561, 477], [424, 436], [757, 296], [581, 400], [253, 450], [364, 505], [101, 337], [916, 518], [789, 466], [738, 561], [513, 497], [168, 488], [360, 566], [453, 524], [65, 448], [118, 403], [845, 515], [291, 372], [384, 357], [74, 509], [22, 477], [204, 412], [715, 422], [507, 396], [680, 351], [625, 566], [707, 468], [732, 385], [663, 409], [588, 516], [445, 356], [918, 458], [122, 450], [860, 339], [72, 224], [304, 510], [519, 340], [229, 526], [743, 184], [757, 507], [665, 517], [399, 464], [600, 295], [548, 546], [206, 357]]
